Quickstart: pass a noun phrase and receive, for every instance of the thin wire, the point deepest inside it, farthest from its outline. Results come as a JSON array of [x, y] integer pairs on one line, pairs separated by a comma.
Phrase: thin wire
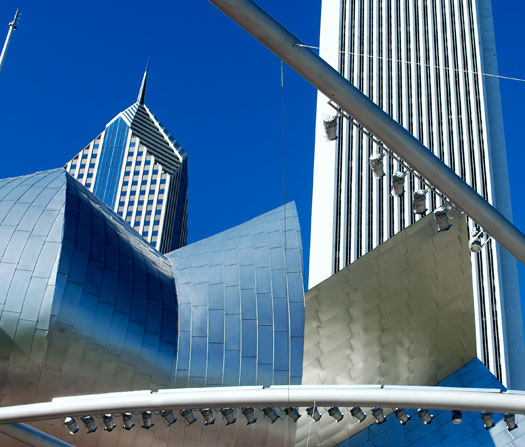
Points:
[[310, 425], [283, 143], [509, 78]]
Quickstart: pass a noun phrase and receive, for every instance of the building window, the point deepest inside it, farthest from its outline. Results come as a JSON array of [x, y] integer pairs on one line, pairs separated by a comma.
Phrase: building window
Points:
[[154, 233]]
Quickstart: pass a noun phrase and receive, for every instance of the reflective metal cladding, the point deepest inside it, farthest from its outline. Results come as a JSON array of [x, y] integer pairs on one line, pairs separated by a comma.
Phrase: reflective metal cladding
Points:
[[87, 306]]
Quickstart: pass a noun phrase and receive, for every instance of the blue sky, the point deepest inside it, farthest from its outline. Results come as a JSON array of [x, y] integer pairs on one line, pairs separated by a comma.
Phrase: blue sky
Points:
[[72, 66]]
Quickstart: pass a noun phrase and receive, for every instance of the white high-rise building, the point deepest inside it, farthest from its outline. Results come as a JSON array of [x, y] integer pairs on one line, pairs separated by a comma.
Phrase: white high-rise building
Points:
[[421, 61]]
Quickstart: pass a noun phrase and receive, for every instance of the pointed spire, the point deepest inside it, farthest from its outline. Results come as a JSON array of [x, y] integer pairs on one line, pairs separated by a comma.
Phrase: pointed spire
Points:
[[142, 91]]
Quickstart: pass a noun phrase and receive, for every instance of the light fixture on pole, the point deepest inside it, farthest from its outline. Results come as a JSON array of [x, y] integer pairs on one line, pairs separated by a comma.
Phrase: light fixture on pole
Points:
[[109, 425], [313, 412], [402, 415], [229, 415], [271, 414], [249, 414], [71, 425], [419, 201], [510, 420], [398, 184], [188, 416], [336, 413], [441, 217], [127, 419], [89, 422], [207, 414], [378, 413], [170, 418], [292, 413], [376, 165], [425, 416], [476, 240], [488, 419], [358, 413], [147, 420], [330, 127], [457, 417]]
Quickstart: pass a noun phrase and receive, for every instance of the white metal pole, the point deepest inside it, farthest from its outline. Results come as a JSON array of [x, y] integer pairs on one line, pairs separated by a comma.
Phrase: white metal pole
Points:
[[338, 89], [436, 398], [12, 27]]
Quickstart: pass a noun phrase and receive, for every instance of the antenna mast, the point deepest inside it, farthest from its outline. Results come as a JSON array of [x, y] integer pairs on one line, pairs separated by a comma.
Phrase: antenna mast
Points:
[[12, 27]]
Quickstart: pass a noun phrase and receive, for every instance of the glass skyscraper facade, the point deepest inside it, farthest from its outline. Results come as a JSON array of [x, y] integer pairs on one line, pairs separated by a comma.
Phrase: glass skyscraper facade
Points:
[[138, 169], [422, 62]]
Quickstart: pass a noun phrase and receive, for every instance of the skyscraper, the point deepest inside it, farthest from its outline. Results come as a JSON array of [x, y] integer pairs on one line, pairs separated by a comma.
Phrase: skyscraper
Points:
[[138, 169], [422, 62]]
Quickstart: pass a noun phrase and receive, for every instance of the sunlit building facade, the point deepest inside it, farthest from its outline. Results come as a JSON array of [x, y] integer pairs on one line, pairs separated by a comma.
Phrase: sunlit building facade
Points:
[[422, 62], [138, 169]]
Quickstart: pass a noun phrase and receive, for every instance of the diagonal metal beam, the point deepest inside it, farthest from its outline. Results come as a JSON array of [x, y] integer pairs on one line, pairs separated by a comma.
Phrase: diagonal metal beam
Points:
[[325, 78], [31, 436]]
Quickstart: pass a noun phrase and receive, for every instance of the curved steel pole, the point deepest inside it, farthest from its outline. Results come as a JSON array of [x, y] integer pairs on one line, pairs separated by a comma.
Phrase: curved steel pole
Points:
[[436, 398], [319, 73]]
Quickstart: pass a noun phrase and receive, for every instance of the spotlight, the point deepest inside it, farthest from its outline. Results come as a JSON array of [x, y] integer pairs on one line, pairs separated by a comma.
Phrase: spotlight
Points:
[[377, 412], [314, 413], [207, 414], [187, 414], [249, 414], [229, 415], [425, 416], [293, 413], [108, 422], [336, 413], [441, 217], [89, 422], [358, 413], [127, 419], [402, 415], [510, 419], [475, 244], [376, 164], [71, 424], [169, 417], [330, 127], [487, 419], [147, 420], [271, 414], [457, 417], [419, 201], [398, 184]]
